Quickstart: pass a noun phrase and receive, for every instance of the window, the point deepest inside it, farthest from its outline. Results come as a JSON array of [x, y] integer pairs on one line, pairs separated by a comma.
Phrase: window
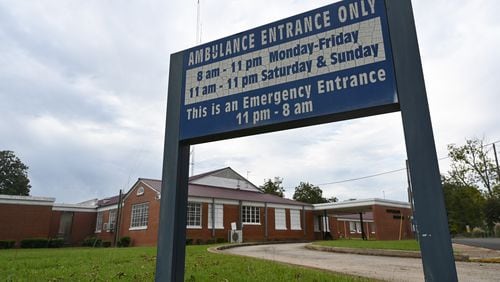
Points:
[[193, 215], [111, 220], [140, 191], [218, 215], [139, 217], [279, 219], [354, 227], [316, 224], [295, 220], [372, 227], [250, 215], [325, 223], [98, 223]]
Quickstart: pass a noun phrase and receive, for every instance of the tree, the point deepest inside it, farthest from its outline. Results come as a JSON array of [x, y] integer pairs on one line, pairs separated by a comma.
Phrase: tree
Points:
[[273, 187], [332, 199], [471, 166], [308, 193], [464, 206], [491, 210], [13, 175]]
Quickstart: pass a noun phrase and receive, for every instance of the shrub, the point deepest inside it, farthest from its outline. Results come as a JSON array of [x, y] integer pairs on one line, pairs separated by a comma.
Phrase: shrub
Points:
[[106, 244], [189, 241], [220, 240], [478, 232], [124, 241], [56, 243], [210, 241], [92, 242], [35, 243], [7, 244], [497, 229], [199, 242]]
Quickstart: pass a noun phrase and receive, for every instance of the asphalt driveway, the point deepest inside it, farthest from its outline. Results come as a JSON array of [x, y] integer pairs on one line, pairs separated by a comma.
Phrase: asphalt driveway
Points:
[[383, 268]]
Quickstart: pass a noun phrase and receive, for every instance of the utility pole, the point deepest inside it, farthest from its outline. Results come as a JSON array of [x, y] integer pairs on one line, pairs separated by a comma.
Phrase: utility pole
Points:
[[496, 161]]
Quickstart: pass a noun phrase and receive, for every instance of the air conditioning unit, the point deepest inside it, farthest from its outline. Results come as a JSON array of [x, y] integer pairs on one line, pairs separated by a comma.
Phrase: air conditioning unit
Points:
[[236, 236], [111, 227], [105, 226]]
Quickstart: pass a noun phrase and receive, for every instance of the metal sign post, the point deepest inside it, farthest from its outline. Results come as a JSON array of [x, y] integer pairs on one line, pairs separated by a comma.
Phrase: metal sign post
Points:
[[346, 60], [430, 213]]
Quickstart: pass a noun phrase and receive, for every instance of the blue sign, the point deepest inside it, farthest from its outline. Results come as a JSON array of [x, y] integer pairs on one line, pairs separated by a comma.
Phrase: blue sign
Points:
[[331, 60]]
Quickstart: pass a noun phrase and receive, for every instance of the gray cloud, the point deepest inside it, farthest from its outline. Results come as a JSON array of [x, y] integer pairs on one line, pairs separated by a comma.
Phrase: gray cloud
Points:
[[83, 96]]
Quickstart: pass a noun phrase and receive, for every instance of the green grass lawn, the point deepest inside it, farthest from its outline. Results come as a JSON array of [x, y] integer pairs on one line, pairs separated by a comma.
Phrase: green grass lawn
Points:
[[405, 245], [138, 264]]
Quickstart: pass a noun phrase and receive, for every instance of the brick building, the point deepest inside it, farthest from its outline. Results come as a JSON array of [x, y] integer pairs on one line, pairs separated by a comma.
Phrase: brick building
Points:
[[218, 202]]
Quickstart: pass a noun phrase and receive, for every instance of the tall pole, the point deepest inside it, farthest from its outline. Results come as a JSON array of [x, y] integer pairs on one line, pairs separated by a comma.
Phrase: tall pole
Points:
[[496, 161], [432, 223]]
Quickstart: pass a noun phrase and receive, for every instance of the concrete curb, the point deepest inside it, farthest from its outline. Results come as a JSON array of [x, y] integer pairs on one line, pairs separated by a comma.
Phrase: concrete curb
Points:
[[218, 249], [375, 252]]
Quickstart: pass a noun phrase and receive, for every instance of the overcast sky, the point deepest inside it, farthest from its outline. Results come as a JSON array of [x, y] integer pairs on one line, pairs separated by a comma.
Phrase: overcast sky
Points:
[[83, 89]]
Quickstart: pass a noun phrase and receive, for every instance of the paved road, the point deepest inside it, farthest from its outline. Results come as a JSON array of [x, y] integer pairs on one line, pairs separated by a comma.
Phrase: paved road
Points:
[[383, 268], [488, 243]]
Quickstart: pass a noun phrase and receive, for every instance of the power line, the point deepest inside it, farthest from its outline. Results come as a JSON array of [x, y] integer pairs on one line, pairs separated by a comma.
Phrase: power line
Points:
[[383, 173], [363, 177]]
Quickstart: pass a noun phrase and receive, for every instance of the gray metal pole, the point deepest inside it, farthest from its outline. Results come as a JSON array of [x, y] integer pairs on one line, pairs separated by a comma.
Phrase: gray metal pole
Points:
[[171, 251], [496, 161], [435, 242]]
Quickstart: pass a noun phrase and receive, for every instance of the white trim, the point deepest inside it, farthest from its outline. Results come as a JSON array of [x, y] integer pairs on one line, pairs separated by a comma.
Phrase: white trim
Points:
[[355, 220], [139, 191], [253, 204], [26, 200], [74, 208], [193, 227], [107, 208], [138, 228], [248, 223], [284, 206], [361, 203], [199, 200]]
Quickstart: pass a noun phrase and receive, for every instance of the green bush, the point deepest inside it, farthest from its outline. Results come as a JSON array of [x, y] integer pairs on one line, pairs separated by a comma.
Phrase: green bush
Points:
[[478, 232], [92, 242], [189, 241], [7, 244], [210, 241], [220, 240], [124, 241], [56, 243], [106, 244], [34, 243]]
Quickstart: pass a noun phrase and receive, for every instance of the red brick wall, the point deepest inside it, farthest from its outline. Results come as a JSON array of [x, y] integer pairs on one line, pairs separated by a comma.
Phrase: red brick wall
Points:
[[146, 237], [388, 227], [82, 227], [18, 222]]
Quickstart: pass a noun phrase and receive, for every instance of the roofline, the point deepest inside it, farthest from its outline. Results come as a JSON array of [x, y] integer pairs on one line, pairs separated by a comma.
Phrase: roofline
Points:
[[141, 180], [27, 200], [361, 203], [74, 207], [194, 177]]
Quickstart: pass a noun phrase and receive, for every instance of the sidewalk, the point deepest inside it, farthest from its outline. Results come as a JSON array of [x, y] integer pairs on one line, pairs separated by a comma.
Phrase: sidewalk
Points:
[[477, 254]]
